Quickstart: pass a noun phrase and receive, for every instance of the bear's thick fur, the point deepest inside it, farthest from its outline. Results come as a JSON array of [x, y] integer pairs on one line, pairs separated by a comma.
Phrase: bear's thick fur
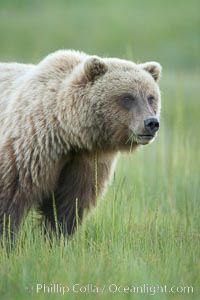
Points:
[[56, 118]]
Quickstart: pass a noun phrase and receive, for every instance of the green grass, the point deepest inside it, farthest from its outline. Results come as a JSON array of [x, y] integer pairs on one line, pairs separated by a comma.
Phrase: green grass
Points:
[[146, 230]]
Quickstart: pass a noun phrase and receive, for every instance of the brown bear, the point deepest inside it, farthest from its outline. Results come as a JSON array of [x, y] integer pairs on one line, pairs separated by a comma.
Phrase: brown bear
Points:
[[60, 118]]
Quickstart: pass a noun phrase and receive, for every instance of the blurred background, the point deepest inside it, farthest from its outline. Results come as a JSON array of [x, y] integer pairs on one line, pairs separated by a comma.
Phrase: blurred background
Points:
[[166, 31]]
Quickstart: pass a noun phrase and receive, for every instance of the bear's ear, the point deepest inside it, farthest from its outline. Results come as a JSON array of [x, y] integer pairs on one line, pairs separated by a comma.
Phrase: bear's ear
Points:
[[153, 68], [94, 67]]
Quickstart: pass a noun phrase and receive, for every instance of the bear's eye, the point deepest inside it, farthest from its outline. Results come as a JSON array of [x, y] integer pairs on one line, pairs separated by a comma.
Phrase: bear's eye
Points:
[[128, 101], [151, 99]]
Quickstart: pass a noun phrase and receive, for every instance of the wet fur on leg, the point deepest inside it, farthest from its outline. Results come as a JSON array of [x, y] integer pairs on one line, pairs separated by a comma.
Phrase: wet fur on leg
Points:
[[75, 192]]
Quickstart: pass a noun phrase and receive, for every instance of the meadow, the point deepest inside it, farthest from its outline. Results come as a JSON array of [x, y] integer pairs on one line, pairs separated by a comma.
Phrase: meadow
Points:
[[145, 232]]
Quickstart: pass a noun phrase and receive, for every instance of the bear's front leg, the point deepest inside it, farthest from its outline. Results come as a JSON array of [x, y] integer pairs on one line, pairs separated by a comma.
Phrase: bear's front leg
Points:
[[62, 216], [11, 215], [12, 200], [76, 191]]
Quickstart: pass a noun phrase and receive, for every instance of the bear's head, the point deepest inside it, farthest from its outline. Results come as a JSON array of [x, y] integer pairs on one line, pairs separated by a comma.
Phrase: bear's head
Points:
[[116, 102]]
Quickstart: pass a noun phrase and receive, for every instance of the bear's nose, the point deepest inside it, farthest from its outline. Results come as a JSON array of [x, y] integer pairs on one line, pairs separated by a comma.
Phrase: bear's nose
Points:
[[151, 125]]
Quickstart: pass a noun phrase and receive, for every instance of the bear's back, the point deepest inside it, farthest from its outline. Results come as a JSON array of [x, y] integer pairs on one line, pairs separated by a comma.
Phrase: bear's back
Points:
[[51, 70], [10, 73]]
